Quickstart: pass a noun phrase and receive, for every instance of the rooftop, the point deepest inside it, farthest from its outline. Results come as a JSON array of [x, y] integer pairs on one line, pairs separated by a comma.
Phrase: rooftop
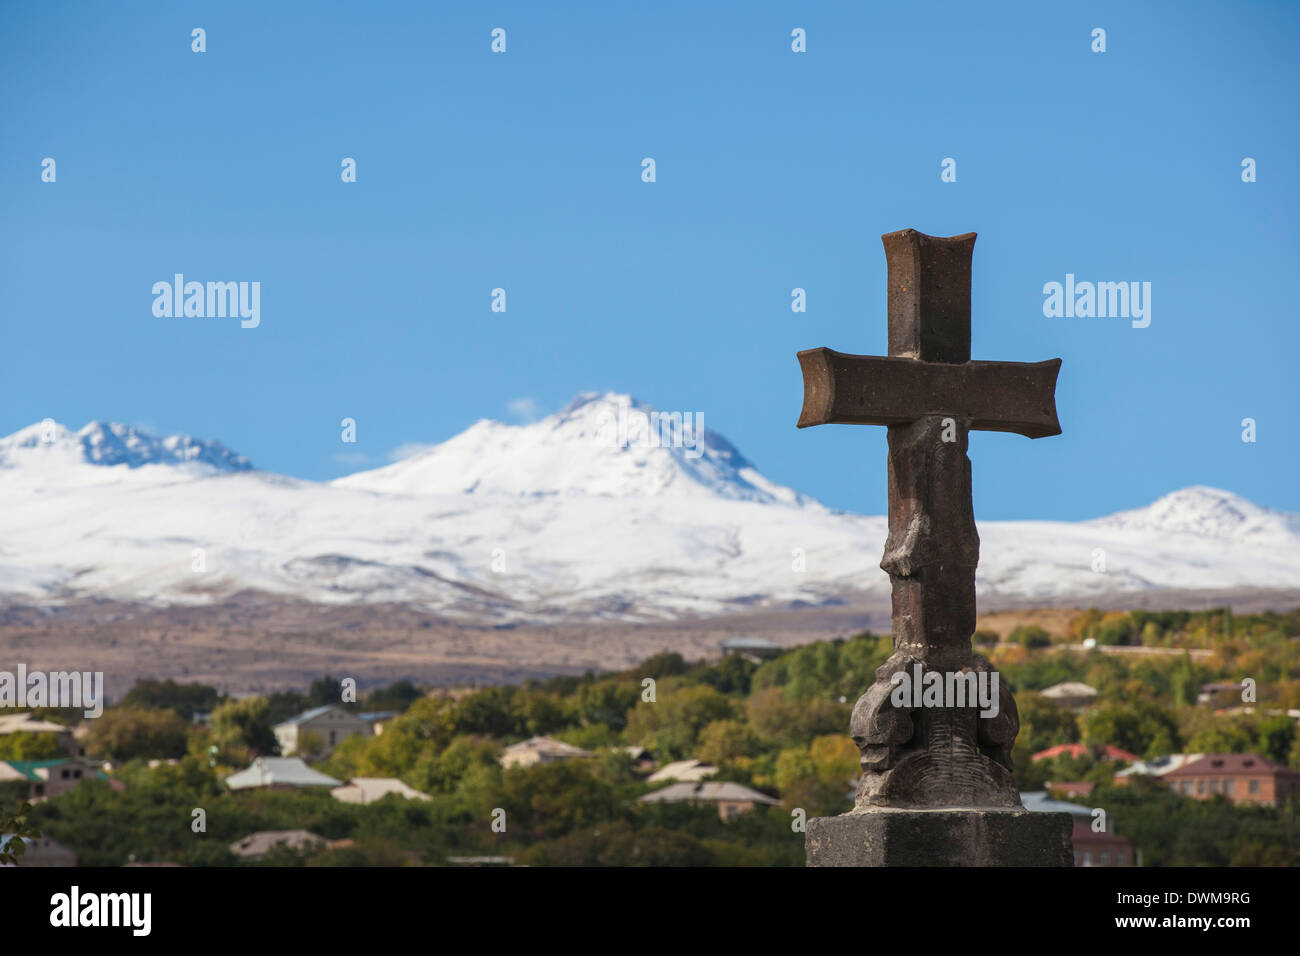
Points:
[[312, 714], [1212, 765], [1158, 766], [263, 841], [1107, 752], [1070, 688], [548, 745], [750, 644], [690, 771], [278, 771], [1038, 801], [27, 724], [711, 792]]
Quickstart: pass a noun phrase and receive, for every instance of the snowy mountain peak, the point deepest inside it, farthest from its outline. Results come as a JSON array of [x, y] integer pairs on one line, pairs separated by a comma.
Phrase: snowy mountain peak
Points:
[[606, 509], [600, 444], [50, 444], [1201, 510]]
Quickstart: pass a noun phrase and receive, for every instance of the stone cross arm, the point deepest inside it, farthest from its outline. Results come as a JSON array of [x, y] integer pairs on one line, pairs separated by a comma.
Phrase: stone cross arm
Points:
[[875, 390]]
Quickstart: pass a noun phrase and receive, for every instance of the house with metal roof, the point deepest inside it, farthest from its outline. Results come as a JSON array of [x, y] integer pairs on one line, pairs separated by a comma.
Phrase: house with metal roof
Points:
[[1154, 767], [369, 789], [731, 799], [754, 649], [540, 750], [257, 845], [53, 778], [1091, 847], [1071, 694], [25, 723], [41, 851], [323, 728], [683, 771], [279, 773]]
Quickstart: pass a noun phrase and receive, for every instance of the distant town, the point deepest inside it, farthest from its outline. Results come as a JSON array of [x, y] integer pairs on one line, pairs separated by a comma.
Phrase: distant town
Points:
[[1170, 737]]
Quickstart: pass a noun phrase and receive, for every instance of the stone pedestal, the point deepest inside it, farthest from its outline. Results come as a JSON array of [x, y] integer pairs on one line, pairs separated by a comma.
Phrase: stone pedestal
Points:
[[981, 837]]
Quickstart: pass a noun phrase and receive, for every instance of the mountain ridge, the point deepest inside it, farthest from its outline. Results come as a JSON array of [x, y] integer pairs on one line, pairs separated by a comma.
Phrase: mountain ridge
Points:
[[547, 521]]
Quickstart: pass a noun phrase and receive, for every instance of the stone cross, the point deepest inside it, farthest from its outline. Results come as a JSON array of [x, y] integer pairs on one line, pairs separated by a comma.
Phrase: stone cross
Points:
[[930, 395]]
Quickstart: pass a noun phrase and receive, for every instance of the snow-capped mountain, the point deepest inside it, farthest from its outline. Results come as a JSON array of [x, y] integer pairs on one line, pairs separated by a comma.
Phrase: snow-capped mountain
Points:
[[603, 510], [48, 451], [600, 445]]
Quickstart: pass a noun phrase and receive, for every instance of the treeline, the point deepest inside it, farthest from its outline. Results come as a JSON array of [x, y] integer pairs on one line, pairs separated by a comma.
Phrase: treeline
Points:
[[779, 727]]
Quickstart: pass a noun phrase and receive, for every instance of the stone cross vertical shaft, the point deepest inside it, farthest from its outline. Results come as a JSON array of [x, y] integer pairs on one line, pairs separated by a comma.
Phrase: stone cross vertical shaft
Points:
[[930, 395]]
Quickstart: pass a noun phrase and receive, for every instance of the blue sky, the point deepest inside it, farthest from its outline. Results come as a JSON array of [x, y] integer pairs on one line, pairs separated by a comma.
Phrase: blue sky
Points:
[[775, 170]]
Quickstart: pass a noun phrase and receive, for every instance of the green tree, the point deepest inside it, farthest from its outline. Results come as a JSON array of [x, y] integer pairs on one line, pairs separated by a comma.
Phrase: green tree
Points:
[[724, 741], [244, 725], [1030, 635], [124, 733], [1044, 724], [184, 699], [1276, 737], [557, 798], [326, 690], [774, 716], [820, 776], [14, 832], [606, 702], [620, 844], [670, 725], [25, 746], [396, 696], [1142, 728]]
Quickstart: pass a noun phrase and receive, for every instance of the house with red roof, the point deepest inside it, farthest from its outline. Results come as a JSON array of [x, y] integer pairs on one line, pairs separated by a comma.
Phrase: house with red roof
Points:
[[1075, 751], [1242, 778]]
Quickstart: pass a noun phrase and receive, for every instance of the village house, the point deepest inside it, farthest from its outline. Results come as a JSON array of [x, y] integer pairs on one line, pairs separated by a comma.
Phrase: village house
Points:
[[1221, 693], [683, 771], [1242, 778], [1091, 848], [1072, 695], [1154, 767], [377, 719], [328, 726], [41, 851], [540, 750], [731, 799], [24, 723], [369, 789], [1077, 751], [53, 778], [279, 773], [257, 845], [753, 649], [642, 759]]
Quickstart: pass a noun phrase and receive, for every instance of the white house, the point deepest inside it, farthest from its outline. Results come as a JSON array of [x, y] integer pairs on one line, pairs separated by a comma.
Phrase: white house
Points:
[[731, 799], [259, 844], [330, 724], [685, 771], [540, 750], [279, 773], [370, 789]]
